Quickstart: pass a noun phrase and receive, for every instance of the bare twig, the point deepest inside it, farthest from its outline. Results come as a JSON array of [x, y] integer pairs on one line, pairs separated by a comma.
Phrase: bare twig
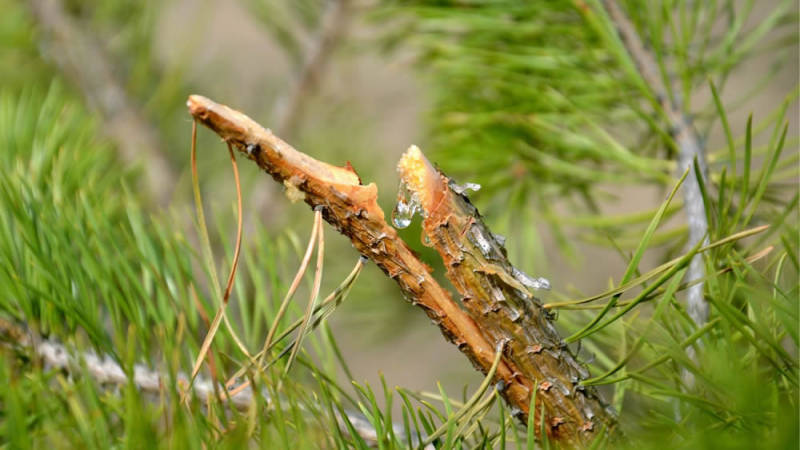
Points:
[[353, 210], [82, 59], [690, 149], [289, 109]]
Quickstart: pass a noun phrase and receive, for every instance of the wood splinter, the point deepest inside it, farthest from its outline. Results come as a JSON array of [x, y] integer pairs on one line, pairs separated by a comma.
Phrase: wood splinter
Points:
[[353, 210]]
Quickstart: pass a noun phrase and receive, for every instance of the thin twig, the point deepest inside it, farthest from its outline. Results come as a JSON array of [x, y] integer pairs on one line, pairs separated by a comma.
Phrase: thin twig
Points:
[[289, 109], [690, 149], [83, 60]]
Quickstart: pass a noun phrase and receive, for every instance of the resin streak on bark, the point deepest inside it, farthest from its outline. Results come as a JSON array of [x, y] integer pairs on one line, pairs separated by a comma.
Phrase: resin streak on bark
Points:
[[353, 210], [497, 297]]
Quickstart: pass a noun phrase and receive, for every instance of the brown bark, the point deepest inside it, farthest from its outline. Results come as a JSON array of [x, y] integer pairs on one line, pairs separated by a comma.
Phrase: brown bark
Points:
[[498, 298], [352, 209]]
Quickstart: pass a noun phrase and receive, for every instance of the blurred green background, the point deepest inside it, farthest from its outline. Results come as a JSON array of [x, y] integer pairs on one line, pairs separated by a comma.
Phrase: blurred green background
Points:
[[527, 100]]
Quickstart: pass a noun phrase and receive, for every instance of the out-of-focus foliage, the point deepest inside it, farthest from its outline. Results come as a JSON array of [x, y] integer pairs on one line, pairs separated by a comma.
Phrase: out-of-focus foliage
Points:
[[290, 23], [540, 103], [21, 63], [157, 86], [543, 105], [537, 101]]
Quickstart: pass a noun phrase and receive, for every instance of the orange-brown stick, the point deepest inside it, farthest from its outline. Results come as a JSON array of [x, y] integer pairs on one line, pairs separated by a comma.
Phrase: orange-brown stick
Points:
[[498, 297], [353, 210]]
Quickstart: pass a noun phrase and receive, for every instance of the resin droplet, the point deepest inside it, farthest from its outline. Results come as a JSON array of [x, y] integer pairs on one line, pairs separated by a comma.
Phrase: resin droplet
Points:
[[407, 205], [402, 214], [529, 281], [462, 188], [426, 240]]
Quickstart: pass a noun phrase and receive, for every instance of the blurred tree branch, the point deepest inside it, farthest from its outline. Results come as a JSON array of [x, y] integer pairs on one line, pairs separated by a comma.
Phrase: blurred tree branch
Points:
[[308, 69], [333, 27], [105, 371], [690, 151], [82, 59]]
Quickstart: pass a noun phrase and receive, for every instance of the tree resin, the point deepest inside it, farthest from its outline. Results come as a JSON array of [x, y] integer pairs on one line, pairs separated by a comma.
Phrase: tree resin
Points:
[[461, 189], [530, 282], [407, 205]]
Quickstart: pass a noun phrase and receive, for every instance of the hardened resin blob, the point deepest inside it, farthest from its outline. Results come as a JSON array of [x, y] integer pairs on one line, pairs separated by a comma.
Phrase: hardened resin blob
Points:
[[461, 189], [538, 283]]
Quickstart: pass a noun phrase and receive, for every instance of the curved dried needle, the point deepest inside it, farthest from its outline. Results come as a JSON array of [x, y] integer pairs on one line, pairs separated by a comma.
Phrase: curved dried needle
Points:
[[238, 247], [236, 252], [209, 258], [324, 309], [292, 288], [312, 301]]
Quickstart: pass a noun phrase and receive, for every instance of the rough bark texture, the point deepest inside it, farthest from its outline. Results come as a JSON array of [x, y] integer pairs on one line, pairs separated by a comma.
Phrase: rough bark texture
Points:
[[498, 297], [572, 418]]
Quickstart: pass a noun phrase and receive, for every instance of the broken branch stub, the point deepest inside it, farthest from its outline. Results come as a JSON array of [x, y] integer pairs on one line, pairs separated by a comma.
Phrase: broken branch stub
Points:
[[498, 297], [353, 210]]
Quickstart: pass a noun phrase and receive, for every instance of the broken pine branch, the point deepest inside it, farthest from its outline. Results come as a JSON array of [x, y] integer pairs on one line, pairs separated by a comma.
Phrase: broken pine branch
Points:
[[498, 297], [353, 210]]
